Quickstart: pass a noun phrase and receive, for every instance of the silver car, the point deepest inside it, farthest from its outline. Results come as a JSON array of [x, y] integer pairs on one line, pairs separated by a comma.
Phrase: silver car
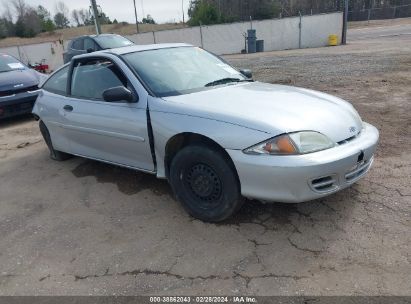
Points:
[[216, 135]]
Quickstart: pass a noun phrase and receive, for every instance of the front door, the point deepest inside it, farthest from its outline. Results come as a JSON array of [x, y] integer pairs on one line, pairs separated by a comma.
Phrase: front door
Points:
[[110, 131]]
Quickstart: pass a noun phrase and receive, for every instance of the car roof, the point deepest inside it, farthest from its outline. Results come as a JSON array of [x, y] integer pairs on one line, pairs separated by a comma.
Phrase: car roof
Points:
[[135, 48], [94, 36], [145, 47]]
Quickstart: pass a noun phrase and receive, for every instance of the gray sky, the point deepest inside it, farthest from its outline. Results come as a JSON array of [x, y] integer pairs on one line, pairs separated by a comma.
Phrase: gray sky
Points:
[[123, 10]]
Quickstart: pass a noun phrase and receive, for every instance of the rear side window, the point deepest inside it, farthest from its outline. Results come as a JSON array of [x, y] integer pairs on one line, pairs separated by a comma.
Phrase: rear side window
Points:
[[90, 79], [78, 44], [57, 83]]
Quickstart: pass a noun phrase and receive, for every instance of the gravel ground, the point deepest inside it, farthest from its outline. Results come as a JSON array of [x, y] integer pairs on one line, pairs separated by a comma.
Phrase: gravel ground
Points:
[[81, 227]]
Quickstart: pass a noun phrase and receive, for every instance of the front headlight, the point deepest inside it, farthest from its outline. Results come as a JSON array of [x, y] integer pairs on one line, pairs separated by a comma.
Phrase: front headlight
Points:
[[292, 144]]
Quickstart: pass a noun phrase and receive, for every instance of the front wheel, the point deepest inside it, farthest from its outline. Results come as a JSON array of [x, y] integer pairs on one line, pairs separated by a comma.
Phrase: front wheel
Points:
[[205, 182]]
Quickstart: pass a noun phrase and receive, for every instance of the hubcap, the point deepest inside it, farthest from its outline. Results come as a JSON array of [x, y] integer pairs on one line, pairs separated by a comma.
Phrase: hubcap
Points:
[[204, 184]]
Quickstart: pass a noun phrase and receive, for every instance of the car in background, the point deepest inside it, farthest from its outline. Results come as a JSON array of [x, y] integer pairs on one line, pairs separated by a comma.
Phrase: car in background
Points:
[[19, 86], [93, 43]]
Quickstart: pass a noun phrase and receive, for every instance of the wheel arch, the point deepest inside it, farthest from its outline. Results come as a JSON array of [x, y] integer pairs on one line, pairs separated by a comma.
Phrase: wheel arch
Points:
[[184, 139]]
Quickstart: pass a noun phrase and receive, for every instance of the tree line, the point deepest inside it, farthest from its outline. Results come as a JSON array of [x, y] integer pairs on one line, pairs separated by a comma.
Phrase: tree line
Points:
[[23, 20], [221, 11]]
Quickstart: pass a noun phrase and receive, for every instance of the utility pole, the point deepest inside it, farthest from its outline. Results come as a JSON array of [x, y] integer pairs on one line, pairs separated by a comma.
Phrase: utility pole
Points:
[[300, 28], [95, 13], [135, 14], [182, 8], [345, 22]]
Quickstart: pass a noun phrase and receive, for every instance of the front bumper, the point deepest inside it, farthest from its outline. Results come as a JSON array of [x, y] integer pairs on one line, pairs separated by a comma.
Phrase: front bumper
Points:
[[300, 178], [17, 104]]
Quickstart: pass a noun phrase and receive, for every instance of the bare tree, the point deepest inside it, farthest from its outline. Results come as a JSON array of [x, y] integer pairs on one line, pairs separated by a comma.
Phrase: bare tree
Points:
[[76, 17], [7, 14], [61, 9], [32, 22], [85, 16], [20, 8]]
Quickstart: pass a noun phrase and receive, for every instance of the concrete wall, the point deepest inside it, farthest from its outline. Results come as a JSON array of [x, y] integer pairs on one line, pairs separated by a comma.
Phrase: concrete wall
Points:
[[278, 34], [51, 52]]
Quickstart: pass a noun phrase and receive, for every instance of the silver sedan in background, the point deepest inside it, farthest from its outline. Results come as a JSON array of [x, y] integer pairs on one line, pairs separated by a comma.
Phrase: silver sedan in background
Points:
[[181, 113]]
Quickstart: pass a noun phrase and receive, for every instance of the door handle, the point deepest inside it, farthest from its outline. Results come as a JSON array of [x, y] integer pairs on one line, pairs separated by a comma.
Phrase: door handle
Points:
[[68, 108]]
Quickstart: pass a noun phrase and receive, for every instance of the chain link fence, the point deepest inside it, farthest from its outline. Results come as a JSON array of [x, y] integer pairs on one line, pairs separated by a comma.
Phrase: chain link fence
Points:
[[376, 13], [359, 10]]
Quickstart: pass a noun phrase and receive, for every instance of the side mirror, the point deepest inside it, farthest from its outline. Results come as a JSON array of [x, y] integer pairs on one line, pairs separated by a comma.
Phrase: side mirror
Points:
[[90, 50], [116, 94], [247, 73]]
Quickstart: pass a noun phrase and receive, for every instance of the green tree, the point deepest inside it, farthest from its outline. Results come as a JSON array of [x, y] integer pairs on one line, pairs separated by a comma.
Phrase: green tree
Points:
[[148, 20], [61, 21], [104, 19], [201, 12], [3, 28], [47, 24], [267, 10], [19, 28]]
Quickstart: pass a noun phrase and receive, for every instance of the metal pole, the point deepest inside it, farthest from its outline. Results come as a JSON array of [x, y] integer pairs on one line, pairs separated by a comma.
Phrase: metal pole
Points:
[[135, 14], [345, 23], [300, 25], [182, 8], [95, 13], [18, 51], [201, 35]]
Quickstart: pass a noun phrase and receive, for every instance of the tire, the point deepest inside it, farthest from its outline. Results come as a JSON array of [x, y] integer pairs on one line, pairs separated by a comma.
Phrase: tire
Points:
[[205, 182], [54, 154]]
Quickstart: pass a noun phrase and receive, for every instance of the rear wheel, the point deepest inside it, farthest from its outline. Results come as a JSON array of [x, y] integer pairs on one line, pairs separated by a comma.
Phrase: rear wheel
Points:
[[54, 154], [205, 182]]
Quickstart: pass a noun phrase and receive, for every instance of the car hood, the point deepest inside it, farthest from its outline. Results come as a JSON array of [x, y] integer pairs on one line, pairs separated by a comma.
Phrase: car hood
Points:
[[274, 109], [22, 78]]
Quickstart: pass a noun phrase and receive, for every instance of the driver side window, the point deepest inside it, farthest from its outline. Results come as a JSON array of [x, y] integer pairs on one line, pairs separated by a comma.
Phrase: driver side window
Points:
[[91, 78]]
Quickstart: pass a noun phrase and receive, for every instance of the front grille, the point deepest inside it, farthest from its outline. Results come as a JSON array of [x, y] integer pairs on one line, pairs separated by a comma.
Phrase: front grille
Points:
[[347, 140], [324, 184], [359, 170], [17, 91], [19, 108]]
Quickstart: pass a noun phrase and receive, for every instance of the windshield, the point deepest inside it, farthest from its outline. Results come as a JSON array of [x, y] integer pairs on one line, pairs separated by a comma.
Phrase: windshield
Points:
[[9, 63], [181, 70], [112, 41]]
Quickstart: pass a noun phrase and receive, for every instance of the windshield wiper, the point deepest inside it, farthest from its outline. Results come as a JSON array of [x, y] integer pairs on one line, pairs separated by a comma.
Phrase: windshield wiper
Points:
[[223, 81]]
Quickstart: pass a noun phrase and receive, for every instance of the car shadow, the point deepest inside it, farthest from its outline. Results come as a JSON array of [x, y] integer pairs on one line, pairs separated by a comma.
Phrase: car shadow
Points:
[[15, 120], [332, 208], [128, 181]]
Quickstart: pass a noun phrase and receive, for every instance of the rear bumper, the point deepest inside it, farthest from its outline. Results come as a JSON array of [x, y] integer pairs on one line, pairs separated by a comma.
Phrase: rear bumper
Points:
[[306, 177], [17, 104]]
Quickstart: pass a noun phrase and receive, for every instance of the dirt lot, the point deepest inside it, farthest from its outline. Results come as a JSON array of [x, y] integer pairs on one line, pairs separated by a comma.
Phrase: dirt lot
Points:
[[82, 227]]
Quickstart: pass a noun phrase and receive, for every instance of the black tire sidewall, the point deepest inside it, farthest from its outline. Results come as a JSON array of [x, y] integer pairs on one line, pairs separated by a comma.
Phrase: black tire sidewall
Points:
[[230, 198], [54, 154]]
